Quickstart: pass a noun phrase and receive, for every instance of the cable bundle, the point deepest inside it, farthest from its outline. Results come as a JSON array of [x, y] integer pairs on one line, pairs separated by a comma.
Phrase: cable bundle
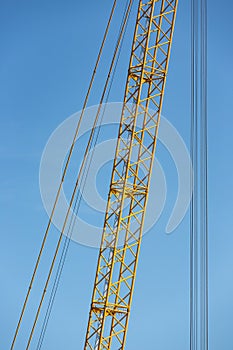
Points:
[[199, 205], [80, 182]]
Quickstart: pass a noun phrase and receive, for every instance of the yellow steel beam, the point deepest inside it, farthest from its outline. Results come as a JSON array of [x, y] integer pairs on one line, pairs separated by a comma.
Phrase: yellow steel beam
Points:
[[123, 227]]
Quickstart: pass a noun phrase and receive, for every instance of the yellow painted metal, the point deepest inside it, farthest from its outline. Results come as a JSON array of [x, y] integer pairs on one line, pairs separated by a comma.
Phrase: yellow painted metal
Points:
[[123, 227]]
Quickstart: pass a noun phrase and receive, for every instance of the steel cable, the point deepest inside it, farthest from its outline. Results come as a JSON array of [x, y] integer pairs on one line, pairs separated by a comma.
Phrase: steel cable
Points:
[[79, 175], [63, 175], [199, 203]]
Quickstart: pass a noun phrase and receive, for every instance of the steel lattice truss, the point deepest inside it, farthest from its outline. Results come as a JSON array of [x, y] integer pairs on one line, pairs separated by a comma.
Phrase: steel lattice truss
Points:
[[123, 227]]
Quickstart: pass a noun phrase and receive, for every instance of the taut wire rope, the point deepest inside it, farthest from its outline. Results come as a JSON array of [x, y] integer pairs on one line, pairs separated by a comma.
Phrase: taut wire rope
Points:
[[63, 175], [80, 171]]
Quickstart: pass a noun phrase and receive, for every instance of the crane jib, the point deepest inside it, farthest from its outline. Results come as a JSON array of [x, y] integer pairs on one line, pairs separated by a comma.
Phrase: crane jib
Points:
[[123, 226]]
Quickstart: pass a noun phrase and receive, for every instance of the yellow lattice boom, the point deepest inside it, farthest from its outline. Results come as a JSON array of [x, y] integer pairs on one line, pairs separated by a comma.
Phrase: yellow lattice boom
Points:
[[123, 226]]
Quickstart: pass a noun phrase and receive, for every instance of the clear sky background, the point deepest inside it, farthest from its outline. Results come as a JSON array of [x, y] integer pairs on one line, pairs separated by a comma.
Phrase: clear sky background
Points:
[[48, 49]]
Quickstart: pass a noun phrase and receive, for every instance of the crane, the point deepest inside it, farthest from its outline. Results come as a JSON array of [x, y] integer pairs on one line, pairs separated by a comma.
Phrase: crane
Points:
[[130, 180], [123, 226]]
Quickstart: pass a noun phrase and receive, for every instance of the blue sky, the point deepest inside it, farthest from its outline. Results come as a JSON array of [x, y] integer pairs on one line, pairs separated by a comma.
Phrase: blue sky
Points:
[[48, 49]]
